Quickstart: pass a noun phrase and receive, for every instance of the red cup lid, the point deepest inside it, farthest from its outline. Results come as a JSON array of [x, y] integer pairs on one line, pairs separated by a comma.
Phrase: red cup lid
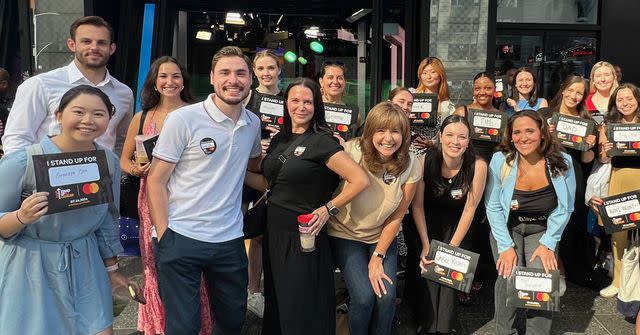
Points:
[[305, 218]]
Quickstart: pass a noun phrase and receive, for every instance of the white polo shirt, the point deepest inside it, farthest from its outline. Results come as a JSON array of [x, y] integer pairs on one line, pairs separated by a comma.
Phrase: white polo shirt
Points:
[[211, 155], [32, 116]]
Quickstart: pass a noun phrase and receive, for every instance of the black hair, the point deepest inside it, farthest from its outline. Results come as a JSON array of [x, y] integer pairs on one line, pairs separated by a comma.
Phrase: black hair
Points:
[[74, 92], [318, 123], [150, 97], [434, 160]]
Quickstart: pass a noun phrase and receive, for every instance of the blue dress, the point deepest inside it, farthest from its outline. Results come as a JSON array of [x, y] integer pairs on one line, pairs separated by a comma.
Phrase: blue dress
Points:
[[52, 276]]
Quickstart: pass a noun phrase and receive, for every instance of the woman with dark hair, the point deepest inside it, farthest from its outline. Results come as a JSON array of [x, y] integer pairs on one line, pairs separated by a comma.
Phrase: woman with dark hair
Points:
[[58, 270], [529, 199], [524, 95], [443, 209], [298, 286], [577, 250], [624, 107], [363, 234], [166, 88], [333, 82]]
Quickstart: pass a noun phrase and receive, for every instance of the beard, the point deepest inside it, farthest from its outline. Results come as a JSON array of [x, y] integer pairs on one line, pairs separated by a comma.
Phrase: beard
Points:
[[232, 101], [100, 63]]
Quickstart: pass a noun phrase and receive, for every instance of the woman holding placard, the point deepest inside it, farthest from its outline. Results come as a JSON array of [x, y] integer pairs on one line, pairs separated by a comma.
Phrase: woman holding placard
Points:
[[577, 252], [443, 209], [58, 270], [603, 82], [166, 88], [529, 199], [525, 95], [623, 108]]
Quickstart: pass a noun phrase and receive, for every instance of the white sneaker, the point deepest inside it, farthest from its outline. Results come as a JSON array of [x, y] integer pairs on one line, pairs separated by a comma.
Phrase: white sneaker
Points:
[[609, 292], [255, 303], [563, 285]]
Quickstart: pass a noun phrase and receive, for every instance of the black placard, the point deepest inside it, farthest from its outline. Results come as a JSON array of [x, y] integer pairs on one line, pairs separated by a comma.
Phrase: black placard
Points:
[[501, 88], [486, 125], [620, 212], [425, 109], [453, 267], [572, 131], [73, 180], [625, 138], [533, 289], [149, 144], [342, 119], [270, 109]]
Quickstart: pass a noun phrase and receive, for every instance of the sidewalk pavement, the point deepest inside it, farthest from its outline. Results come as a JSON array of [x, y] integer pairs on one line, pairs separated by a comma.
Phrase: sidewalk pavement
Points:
[[582, 311]]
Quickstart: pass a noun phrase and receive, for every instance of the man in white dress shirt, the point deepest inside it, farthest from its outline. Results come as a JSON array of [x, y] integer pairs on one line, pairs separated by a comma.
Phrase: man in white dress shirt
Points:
[[32, 115]]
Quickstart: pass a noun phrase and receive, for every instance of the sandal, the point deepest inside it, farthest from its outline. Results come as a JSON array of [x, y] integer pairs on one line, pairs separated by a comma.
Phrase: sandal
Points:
[[464, 298], [476, 287]]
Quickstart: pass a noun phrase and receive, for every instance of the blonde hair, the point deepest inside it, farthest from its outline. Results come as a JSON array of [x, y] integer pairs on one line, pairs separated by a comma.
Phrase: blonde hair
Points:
[[267, 53], [598, 65], [386, 115], [443, 88]]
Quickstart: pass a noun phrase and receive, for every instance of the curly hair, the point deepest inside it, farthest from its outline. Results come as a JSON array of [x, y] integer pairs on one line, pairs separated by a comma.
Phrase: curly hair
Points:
[[549, 146], [386, 115]]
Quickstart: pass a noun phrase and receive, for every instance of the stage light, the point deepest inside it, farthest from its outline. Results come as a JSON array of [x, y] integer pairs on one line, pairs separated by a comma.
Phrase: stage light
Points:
[[316, 47], [290, 57], [234, 18], [302, 60], [204, 35]]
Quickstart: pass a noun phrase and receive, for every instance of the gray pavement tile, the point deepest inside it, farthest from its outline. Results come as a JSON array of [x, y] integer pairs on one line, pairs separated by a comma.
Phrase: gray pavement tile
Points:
[[577, 324], [615, 324]]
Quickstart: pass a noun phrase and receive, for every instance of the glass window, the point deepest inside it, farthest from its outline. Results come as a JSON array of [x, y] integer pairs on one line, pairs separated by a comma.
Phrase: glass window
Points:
[[548, 11]]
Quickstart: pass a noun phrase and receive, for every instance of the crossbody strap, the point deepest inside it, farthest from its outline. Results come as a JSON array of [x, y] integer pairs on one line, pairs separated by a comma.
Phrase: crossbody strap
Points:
[[142, 118], [285, 155]]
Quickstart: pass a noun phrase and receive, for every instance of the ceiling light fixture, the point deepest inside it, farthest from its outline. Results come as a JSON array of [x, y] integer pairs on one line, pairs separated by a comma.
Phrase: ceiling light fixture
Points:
[[204, 35], [234, 18]]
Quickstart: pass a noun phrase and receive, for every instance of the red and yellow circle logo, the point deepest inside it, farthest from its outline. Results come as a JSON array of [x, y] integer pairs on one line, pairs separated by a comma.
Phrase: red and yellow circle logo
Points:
[[91, 188]]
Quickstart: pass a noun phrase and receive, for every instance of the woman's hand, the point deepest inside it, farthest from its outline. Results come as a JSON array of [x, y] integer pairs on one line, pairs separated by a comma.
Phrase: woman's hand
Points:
[[140, 169], [424, 261], [340, 139], [547, 256], [264, 143], [320, 217], [377, 276], [605, 146], [421, 142], [594, 202], [552, 128], [512, 103], [119, 281], [33, 208], [507, 261], [591, 140]]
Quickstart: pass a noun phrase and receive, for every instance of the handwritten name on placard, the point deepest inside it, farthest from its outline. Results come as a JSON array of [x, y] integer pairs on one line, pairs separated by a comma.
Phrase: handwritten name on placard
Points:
[[571, 128], [453, 267], [538, 282], [622, 206], [452, 261], [271, 107], [626, 136], [74, 174], [486, 121]]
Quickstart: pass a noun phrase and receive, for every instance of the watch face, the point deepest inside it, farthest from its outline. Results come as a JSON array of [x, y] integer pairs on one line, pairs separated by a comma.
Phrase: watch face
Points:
[[334, 211]]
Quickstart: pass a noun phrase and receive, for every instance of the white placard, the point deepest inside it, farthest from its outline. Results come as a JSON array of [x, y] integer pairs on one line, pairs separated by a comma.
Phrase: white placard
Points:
[[452, 262], [486, 122], [626, 135], [537, 284], [571, 128], [73, 174], [623, 208], [424, 107], [337, 117], [271, 108]]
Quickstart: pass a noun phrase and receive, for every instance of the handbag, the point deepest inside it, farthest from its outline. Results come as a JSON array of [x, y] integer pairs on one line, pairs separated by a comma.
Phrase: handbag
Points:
[[598, 181], [629, 292], [130, 187], [255, 219]]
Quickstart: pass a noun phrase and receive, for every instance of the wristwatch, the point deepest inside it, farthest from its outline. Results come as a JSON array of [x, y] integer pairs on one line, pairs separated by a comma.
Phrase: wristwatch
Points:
[[377, 254], [333, 210]]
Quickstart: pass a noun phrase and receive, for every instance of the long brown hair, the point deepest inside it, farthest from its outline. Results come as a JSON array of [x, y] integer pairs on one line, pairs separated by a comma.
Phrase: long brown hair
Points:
[[385, 115], [614, 115], [150, 97], [549, 146], [443, 88], [555, 103], [515, 94]]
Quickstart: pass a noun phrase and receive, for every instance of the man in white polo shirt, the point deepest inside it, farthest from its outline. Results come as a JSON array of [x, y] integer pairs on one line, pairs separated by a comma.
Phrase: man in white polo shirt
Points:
[[194, 191], [32, 116]]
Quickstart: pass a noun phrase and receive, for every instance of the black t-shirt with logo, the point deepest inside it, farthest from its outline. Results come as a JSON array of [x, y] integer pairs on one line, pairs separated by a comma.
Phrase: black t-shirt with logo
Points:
[[305, 182]]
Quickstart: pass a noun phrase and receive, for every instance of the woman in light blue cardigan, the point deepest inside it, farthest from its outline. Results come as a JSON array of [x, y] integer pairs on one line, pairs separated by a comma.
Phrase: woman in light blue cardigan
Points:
[[529, 199]]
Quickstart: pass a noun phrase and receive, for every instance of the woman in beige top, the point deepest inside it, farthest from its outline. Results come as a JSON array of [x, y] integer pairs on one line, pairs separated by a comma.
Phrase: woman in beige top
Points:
[[363, 232]]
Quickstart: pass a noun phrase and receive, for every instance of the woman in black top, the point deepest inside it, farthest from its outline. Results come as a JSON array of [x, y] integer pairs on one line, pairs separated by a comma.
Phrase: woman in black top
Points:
[[443, 209], [299, 287]]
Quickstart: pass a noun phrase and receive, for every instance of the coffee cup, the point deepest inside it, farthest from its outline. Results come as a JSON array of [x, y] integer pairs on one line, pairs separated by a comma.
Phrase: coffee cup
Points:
[[307, 239]]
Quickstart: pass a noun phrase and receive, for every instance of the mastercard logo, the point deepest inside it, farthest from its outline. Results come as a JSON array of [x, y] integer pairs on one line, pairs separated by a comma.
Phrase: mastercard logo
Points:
[[493, 131], [635, 217], [455, 275], [540, 296], [425, 115], [92, 188], [342, 127], [635, 145], [280, 120], [576, 139]]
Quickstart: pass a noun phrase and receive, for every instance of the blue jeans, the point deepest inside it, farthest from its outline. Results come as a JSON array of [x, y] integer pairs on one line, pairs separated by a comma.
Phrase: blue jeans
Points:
[[368, 314]]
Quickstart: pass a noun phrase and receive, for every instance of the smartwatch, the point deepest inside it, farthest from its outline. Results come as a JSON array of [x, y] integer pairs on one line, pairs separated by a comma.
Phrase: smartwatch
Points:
[[333, 210], [377, 254]]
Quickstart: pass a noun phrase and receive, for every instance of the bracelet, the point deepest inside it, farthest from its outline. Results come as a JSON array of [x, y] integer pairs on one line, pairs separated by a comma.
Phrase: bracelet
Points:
[[22, 223], [112, 268]]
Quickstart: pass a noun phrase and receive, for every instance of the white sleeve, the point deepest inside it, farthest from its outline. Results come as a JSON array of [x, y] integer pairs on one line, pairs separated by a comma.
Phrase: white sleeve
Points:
[[256, 150], [173, 139], [28, 112]]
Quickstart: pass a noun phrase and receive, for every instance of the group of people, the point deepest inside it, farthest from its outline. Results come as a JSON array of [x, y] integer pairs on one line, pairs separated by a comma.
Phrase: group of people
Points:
[[519, 201]]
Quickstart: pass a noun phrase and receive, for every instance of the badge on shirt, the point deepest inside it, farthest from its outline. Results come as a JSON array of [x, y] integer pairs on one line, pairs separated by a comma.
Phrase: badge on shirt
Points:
[[388, 178], [456, 193], [299, 151], [515, 205], [208, 145]]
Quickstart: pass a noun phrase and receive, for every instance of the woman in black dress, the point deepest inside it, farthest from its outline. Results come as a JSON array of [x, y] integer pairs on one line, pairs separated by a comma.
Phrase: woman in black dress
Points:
[[443, 209], [299, 288]]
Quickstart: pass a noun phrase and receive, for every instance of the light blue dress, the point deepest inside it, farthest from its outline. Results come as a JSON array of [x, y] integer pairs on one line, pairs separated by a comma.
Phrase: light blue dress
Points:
[[52, 276]]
